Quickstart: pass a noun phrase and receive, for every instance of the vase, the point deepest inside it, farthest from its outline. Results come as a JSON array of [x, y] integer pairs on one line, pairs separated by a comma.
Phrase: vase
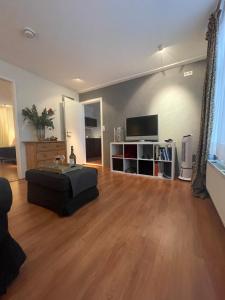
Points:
[[41, 133]]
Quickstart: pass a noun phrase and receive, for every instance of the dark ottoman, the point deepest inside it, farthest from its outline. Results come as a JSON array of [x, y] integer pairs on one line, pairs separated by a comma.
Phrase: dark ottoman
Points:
[[62, 193]]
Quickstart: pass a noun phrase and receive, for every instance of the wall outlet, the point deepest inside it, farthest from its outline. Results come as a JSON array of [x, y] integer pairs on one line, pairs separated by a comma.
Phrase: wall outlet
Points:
[[188, 73]]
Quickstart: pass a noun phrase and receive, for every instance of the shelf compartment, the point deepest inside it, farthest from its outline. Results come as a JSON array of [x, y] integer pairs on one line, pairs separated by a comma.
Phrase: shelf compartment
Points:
[[167, 173], [130, 158], [146, 167], [163, 153], [130, 151], [117, 164], [141, 158], [130, 166], [117, 150], [145, 152], [163, 169], [147, 159]]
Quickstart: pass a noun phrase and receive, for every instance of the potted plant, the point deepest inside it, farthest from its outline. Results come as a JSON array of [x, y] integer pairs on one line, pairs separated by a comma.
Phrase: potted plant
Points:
[[39, 121]]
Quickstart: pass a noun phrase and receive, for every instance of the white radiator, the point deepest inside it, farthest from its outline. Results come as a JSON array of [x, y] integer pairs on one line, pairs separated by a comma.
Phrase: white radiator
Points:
[[215, 183]]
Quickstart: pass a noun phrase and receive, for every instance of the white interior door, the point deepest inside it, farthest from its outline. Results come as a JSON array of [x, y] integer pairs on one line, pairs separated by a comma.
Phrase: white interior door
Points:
[[75, 129]]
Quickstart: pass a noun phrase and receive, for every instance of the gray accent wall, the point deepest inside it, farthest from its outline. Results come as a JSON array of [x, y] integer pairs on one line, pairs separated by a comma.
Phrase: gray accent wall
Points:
[[175, 98]]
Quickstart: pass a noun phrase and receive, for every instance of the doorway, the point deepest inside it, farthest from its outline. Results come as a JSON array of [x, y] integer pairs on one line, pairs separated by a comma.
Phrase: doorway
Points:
[[73, 130], [8, 162], [93, 131]]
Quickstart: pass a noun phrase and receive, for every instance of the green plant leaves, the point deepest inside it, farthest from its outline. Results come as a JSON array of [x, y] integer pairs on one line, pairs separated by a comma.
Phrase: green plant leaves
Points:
[[32, 116]]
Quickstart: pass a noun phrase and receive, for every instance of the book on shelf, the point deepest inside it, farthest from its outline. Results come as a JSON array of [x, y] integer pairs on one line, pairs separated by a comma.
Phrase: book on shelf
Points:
[[169, 152], [157, 152], [163, 153], [160, 169]]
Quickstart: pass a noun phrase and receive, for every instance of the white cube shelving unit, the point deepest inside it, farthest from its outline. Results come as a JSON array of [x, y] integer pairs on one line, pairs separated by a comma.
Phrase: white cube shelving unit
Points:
[[153, 159]]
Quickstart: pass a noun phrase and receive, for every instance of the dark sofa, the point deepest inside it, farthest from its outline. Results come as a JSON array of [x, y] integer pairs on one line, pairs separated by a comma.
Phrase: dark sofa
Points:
[[11, 254], [8, 154]]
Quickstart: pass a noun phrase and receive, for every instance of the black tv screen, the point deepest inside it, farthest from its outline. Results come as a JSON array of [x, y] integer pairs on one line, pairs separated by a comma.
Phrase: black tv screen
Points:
[[145, 127]]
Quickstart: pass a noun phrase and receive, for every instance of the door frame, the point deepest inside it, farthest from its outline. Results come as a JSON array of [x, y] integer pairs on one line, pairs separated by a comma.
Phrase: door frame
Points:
[[16, 126], [91, 101], [64, 129], [63, 120], [63, 116]]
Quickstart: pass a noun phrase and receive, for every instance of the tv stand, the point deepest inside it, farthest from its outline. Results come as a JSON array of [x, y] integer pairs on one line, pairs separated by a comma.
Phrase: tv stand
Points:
[[142, 141], [152, 159]]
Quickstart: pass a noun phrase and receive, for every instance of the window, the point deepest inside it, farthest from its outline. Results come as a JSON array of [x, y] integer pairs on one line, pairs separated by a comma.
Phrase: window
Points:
[[7, 131], [218, 134]]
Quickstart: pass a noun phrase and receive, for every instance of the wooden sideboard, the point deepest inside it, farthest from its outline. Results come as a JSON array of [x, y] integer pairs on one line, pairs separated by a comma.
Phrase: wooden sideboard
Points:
[[41, 153]]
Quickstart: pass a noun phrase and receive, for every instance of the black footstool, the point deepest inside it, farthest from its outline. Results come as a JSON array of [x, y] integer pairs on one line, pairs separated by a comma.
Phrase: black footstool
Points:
[[62, 193]]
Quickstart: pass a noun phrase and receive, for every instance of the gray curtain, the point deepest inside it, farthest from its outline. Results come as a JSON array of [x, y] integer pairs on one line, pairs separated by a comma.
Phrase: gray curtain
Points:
[[199, 178]]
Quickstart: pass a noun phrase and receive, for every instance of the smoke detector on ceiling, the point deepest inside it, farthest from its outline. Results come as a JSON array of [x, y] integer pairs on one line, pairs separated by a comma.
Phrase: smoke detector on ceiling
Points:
[[160, 47], [29, 33]]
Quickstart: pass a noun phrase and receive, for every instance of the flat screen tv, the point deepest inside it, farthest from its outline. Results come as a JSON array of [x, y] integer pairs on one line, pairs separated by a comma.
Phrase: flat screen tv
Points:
[[142, 128]]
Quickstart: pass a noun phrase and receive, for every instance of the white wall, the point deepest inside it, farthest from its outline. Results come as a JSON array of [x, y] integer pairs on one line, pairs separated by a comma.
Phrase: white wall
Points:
[[32, 89], [215, 183], [6, 92]]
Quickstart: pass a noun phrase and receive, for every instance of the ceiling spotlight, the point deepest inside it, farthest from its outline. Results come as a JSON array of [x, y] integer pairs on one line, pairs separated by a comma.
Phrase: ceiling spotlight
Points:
[[78, 79], [29, 33], [160, 47]]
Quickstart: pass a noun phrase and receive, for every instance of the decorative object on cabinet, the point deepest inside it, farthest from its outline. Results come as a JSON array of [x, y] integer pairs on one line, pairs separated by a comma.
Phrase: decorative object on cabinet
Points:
[[39, 121]]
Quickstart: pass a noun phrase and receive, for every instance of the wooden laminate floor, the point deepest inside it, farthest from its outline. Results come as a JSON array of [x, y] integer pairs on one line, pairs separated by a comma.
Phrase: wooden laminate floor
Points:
[[8, 171], [142, 239], [94, 160]]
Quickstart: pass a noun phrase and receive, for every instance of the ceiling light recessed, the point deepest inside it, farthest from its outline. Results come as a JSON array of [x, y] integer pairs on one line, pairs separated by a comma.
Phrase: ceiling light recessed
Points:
[[78, 79], [29, 33]]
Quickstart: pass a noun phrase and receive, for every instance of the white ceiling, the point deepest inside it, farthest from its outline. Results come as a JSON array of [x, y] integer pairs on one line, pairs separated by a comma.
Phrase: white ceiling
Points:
[[101, 41]]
